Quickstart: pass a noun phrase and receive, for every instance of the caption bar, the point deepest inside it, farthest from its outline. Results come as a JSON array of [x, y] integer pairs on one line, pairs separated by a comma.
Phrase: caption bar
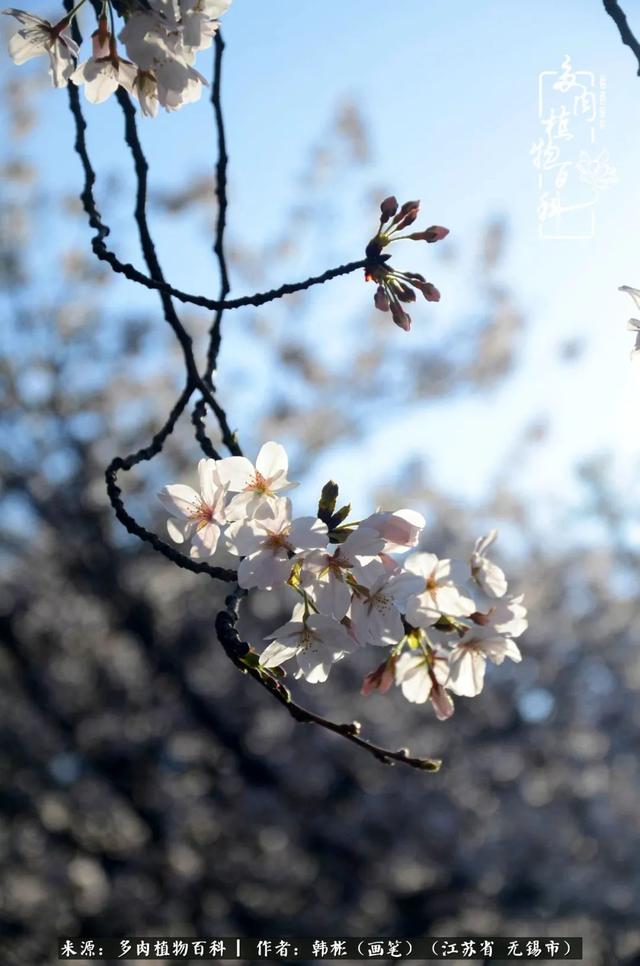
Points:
[[289, 950]]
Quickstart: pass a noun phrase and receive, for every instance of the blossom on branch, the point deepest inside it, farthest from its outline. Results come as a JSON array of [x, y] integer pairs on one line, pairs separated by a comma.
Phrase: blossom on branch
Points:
[[316, 641], [395, 289], [38, 36], [195, 516]]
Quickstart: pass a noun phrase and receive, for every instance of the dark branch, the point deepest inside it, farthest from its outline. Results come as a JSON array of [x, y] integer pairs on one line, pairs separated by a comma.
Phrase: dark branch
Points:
[[198, 415], [618, 16], [129, 523], [238, 651]]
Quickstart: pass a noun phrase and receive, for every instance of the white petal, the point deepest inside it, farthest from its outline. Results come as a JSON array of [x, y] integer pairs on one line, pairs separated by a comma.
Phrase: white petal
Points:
[[308, 533], [264, 570], [205, 540], [180, 500], [236, 472], [272, 461], [422, 564], [466, 672], [276, 654]]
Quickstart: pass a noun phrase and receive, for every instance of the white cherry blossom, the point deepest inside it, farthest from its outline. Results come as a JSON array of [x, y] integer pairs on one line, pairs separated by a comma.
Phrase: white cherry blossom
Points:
[[104, 71], [440, 594], [375, 613], [468, 659], [256, 485], [268, 543], [507, 616], [422, 677], [488, 576], [38, 36], [317, 643], [195, 516], [324, 572]]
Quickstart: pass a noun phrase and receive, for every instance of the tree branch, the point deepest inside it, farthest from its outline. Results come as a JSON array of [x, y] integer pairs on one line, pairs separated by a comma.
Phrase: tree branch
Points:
[[237, 652], [617, 14]]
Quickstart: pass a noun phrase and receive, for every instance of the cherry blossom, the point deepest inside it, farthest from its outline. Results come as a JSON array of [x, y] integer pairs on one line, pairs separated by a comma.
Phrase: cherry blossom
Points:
[[325, 572], [439, 594], [422, 677], [255, 485], [400, 529], [468, 659], [267, 544], [317, 642], [38, 36], [486, 574], [196, 516], [375, 609], [104, 71]]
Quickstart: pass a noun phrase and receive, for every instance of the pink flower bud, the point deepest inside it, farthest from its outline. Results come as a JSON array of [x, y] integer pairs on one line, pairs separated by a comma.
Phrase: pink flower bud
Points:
[[441, 702], [433, 234], [381, 679], [100, 41], [404, 293], [431, 293], [401, 318], [436, 233], [388, 208], [408, 214], [381, 299]]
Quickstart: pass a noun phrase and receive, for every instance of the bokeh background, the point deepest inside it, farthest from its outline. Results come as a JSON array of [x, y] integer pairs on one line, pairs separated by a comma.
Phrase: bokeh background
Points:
[[147, 787]]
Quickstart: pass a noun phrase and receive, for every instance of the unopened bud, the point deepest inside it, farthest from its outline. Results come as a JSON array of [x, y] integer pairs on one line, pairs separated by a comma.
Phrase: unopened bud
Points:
[[401, 318], [404, 293], [100, 40], [388, 208], [433, 234], [381, 299], [408, 214]]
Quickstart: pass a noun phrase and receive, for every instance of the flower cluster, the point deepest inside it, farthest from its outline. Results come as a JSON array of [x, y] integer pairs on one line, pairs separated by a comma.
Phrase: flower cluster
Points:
[[634, 324], [395, 289], [161, 39], [439, 620]]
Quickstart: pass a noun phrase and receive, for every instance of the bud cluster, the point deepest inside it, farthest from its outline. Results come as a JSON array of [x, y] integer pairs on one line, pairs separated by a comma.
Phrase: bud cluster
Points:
[[396, 289]]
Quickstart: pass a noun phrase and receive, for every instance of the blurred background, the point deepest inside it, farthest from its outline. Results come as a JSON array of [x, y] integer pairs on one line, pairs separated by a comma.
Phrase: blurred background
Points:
[[147, 787]]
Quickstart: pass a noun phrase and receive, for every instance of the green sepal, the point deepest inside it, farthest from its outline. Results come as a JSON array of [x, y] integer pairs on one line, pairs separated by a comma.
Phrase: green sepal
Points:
[[327, 504]]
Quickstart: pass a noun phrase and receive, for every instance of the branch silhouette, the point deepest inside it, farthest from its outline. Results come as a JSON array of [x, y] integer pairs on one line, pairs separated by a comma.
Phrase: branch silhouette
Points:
[[618, 16]]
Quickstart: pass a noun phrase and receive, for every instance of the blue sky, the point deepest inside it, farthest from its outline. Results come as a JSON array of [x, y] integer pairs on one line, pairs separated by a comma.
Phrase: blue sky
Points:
[[449, 91]]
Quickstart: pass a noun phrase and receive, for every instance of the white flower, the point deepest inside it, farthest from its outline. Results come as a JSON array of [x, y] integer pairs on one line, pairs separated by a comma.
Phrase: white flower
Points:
[[145, 88], [401, 528], [324, 572], [196, 516], [104, 72], [422, 678], [267, 544], [633, 324], [486, 574], [375, 615], [200, 20], [255, 485], [439, 594], [38, 36], [317, 642], [507, 616], [467, 660]]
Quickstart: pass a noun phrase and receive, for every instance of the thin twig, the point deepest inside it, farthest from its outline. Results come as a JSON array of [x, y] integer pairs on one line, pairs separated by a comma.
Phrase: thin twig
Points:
[[238, 650], [617, 14], [130, 524], [198, 416]]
